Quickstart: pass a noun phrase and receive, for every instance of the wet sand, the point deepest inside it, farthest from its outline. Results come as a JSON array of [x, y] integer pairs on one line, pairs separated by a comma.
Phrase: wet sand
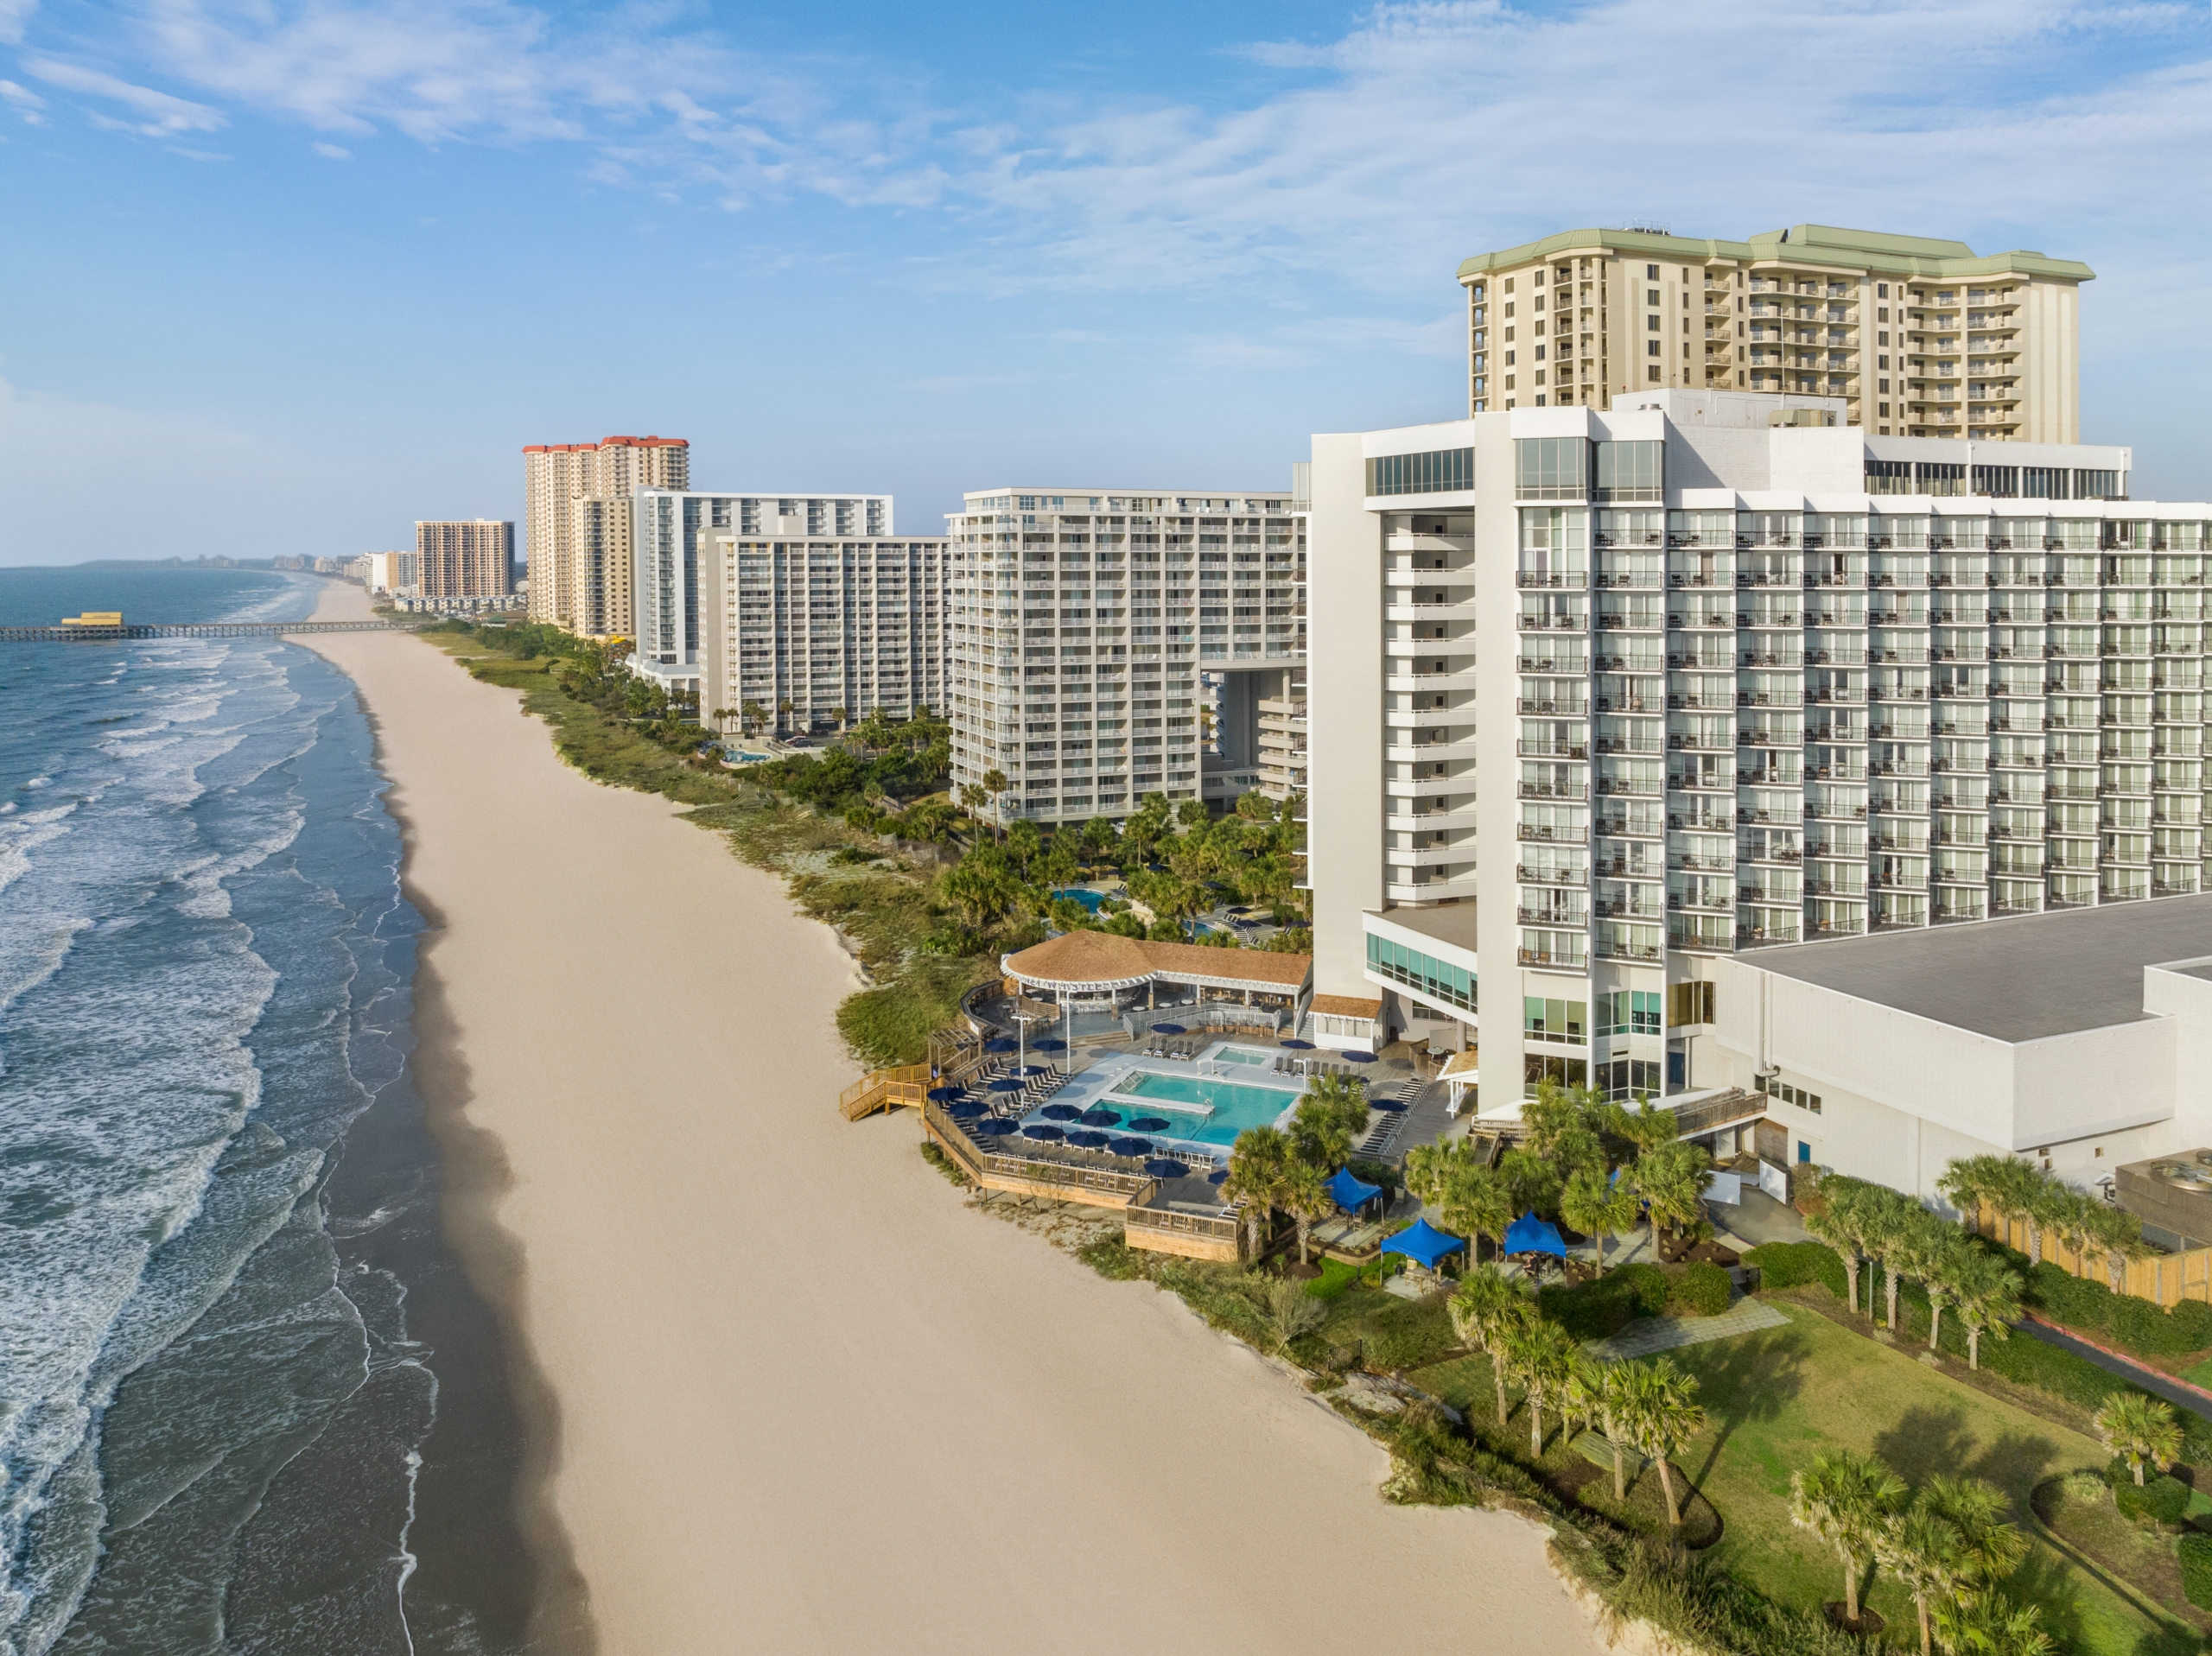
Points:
[[786, 1392]]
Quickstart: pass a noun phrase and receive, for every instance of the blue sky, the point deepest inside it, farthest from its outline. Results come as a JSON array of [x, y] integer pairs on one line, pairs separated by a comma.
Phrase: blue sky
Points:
[[282, 277]]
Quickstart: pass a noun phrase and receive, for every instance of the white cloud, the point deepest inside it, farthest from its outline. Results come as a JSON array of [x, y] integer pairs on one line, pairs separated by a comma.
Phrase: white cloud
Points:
[[13, 15], [332, 151], [162, 114]]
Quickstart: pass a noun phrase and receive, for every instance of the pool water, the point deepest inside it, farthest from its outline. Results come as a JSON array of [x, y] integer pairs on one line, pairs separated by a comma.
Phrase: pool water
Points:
[[1231, 1106], [1092, 900], [1242, 1055]]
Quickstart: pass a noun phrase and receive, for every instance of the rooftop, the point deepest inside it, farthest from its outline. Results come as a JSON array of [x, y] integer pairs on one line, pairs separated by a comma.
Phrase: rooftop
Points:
[[2012, 980], [1448, 923], [1103, 959], [1800, 245]]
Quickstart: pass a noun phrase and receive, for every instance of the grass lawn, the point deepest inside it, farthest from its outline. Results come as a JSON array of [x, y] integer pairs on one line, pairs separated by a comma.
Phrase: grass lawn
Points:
[[2080, 1507], [1777, 1398]]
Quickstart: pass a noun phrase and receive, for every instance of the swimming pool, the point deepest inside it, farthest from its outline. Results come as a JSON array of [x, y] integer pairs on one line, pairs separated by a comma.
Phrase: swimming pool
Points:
[[1091, 900], [1250, 1055], [1229, 1106]]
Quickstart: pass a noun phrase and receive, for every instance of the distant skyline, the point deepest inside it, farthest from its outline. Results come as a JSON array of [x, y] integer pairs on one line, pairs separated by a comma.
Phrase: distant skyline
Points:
[[280, 278]]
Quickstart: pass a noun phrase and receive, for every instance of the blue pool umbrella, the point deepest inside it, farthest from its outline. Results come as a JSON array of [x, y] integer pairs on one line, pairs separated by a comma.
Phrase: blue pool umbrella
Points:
[[1148, 1123], [1299, 1046], [1349, 1193], [1005, 1084], [1098, 1116], [1357, 1057], [1168, 1029], [1003, 1043], [946, 1095], [1218, 1176], [1424, 1242], [1038, 1130], [1059, 1112], [1167, 1167], [966, 1110], [1387, 1105], [1131, 1147], [1087, 1139], [1529, 1235], [997, 1129], [1050, 1044]]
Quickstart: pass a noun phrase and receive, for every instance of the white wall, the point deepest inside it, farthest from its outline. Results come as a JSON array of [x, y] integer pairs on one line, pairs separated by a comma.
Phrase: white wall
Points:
[[1344, 711]]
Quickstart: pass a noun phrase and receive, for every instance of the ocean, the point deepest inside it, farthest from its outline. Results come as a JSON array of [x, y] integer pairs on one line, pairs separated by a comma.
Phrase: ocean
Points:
[[248, 1400]]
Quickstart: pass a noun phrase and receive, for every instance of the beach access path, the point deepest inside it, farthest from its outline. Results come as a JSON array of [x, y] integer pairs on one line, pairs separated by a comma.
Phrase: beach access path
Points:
[[807, 1400]]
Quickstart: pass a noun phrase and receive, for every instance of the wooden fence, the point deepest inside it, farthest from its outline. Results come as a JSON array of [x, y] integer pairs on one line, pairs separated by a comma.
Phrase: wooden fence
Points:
[[1193, 1235], [1035, 1176], [2165, 1278]]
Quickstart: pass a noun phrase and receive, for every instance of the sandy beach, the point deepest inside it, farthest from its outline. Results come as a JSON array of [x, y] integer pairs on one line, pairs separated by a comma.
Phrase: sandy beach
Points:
[[791, 1393]]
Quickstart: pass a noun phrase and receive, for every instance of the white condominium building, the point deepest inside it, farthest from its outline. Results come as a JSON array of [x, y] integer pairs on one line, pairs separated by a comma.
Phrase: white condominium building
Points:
[[670, 531], [806, 631], [393, 571], [1919, 337], [1081, 621], [1746, 676], [572, 582]]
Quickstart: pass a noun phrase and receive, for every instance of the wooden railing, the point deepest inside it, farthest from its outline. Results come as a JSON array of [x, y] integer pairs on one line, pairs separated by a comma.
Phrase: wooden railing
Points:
[[1731, 1108], [1187, 1224], [883, 1089], [2164, 1279], [1099, 1187]]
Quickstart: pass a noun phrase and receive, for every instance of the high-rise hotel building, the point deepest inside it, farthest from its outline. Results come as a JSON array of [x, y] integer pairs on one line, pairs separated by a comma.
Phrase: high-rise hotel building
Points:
[[1917, 337], [1598, 699], [471, 558], [577, 527], [797, 605], [1082, 621]]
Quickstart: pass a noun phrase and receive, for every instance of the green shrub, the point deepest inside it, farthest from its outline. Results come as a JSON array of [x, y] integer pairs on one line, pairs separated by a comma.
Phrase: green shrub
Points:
[[1592, 1310], [2192, 1321], [1699, 1291], [1113, 1259], [2078, 1301], [2162, 1499], [2196, 1570], [1793, 1264]]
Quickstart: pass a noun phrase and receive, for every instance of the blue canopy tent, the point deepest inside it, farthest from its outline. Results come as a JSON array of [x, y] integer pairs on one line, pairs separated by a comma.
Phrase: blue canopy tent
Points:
[[1529, 1235], [1424, 1243], [1349, 1193]]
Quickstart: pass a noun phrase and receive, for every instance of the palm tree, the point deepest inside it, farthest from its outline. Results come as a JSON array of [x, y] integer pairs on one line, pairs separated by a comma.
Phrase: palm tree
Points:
[[1987, 1292], [1542, 1355], [1256, 1178], [1845, 1497], [1671, 1181], [1837, 1224], [1614, 1401], [1532, 1177], [1899, 1230], [1970, 1181], [1582, 1396], [1319, 1136], [1598, 1207], [1344, 1094], [1928, 1559], [2120, 1233], [1470, 1198], [1305, 1199], [1657, 1406], [1647, 1126], [1936, 1260], [1988, 1625], [1483, 1310], [1976, 1510], [2139, 1427]]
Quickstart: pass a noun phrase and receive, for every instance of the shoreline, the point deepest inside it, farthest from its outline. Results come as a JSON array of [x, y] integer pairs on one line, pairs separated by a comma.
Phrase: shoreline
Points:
[[792, 1396]]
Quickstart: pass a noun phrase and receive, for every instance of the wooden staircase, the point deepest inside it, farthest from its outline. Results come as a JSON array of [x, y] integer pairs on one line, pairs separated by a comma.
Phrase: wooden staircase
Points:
[[884, 1089]]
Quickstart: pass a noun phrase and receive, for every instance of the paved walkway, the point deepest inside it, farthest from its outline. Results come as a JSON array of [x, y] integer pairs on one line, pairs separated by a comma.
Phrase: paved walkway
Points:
[[1650, 1336]]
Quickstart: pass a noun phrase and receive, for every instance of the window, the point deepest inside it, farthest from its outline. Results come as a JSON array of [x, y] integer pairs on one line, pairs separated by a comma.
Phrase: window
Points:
[[2044, 483], [1688, 1003], [2098, 485], [1652, 322], [1881, 291], [1629, 1011], [1782, 1092], [1625, 1079], [2002, 481], [1559, 1021], [1438, 980], [1631, 470], [1435, 471], [1651, 274], [1940, 477], [1551, 469], [1652, 346]]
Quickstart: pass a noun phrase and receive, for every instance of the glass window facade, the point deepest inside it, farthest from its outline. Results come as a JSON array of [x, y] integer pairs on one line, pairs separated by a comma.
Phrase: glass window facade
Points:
[[1438, 471], [1551, 469], [1453, 984], [1566, 1022], [1628, 472], [1630, 1011]]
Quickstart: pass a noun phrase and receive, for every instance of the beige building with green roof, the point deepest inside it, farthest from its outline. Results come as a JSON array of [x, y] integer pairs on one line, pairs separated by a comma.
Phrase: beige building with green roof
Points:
[[1921, 337]]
